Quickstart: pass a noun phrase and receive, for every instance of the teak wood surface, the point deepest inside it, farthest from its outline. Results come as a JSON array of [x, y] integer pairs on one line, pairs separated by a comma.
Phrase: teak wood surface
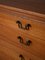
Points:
[[10, 47]]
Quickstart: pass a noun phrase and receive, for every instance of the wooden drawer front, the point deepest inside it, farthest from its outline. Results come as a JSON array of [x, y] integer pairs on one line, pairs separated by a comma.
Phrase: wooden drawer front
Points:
[[37, 24], [13, 52], [35, 47], [10, 34]]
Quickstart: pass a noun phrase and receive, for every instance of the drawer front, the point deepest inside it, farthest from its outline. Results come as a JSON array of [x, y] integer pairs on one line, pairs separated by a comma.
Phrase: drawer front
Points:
[[30, 24], [24, 31], [12, 52], [34, 48], [11, 35]]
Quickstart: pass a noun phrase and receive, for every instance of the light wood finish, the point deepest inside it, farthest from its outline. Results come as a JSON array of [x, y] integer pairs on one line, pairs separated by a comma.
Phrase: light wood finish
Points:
[[9, 31]]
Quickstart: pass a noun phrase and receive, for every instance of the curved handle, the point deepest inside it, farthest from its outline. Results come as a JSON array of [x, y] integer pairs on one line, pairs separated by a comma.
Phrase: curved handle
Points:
[[21, 56], [19, 24], [26, 26], [20, 39], [28, 42]]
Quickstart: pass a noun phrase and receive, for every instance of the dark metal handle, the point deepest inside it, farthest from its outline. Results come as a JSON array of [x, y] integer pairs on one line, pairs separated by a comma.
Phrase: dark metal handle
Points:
[[26, 26], [28, 42], [21, 56], [20, 39], [19, 24]]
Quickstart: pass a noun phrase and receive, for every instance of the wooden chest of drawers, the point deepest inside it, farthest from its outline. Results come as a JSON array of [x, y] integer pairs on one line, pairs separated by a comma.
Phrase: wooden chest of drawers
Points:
[[22, 34]]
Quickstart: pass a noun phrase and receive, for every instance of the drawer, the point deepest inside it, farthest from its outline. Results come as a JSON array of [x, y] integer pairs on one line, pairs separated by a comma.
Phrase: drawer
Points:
[[14, 25], [37, 23], [11, 29], [37, 46], [12, 32], [11, 52]]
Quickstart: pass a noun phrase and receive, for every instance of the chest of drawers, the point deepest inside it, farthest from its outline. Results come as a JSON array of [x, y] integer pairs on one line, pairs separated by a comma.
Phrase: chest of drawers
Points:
[[22, 34]]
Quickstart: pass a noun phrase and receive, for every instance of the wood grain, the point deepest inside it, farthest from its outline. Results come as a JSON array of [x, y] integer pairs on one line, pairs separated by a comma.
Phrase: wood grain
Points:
[[37, 21], [10, 46], [11, 52], [10, 34]]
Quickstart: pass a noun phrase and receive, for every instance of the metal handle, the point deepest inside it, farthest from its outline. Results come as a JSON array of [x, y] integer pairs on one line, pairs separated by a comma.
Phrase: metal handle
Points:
[[26, 26], [19, 24], [20, 39], [28, 42], [21, 56]]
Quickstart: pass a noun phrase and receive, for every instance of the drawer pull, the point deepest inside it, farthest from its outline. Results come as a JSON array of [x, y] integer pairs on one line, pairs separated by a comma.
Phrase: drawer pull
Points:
[[26, 26], [19, 24], [28, 42], [21, 56], [20, 39]]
